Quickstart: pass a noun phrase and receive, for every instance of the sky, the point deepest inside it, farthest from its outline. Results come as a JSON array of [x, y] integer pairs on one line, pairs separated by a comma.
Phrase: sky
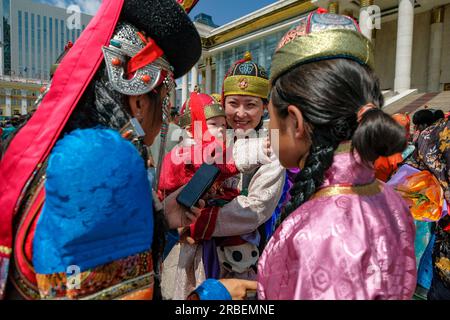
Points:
[[222, 11]]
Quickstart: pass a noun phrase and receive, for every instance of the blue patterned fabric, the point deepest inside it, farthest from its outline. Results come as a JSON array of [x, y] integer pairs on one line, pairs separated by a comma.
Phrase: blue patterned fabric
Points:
[[423, 236], [408, 151], [98, 205], [425, 273], [271, 223], [172, 238], [212, 289]]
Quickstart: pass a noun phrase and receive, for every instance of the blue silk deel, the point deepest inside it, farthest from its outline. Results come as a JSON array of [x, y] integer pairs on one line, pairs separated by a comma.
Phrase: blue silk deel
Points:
[[98, 205], [212, 289]]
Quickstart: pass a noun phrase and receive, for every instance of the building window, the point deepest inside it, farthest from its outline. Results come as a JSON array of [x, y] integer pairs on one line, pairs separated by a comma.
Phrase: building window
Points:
[[45, 56], [6, 37], [26, 68], [256, 51], [20, 42], [270, 45], [62, 35], [227, 60], [56, 39], [33, 48], [240, 52], [67, 34], [73, 36], [50, 39], [39, 45]]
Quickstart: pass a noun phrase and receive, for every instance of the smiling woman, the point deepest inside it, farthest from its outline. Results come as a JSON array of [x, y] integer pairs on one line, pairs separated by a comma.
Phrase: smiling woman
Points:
[[244, 112], [232, 233], [245, 89]]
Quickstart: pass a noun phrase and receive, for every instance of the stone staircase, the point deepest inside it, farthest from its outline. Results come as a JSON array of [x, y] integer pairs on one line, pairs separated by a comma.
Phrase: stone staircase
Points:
[[417, 101]]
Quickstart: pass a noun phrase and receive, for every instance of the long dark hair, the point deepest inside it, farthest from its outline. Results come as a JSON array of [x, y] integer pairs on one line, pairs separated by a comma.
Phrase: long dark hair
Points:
[[329, 94]]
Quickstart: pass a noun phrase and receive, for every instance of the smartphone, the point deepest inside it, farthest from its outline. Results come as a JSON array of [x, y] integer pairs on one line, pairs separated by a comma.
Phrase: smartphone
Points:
[[200, 183]]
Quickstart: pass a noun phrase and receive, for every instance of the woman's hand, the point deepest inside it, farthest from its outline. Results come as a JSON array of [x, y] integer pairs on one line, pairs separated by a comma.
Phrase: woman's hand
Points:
[[238, 288], [185, 236], [178, 216]]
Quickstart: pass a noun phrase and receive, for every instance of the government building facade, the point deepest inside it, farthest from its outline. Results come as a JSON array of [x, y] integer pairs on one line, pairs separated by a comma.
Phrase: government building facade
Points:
[[411, 40]]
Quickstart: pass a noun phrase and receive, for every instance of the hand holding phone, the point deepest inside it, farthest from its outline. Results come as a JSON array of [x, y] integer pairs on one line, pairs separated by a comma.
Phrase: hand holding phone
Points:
[[197, 187], [178, 216]]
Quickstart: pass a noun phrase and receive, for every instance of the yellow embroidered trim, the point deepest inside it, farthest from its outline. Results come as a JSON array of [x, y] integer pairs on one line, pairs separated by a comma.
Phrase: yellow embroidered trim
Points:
[[119, 290], [362, 190], [246, 85], [210, 111], [336, 43], [5, 250], [344, 147], [443, 264]]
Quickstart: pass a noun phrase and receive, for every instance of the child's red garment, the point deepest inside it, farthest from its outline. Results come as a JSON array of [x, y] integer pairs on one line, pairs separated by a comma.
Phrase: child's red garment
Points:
[[182, 162], [179, 167]]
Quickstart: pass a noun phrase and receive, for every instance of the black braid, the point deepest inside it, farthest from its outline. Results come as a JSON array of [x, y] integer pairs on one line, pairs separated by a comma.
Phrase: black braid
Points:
[[311, 177]]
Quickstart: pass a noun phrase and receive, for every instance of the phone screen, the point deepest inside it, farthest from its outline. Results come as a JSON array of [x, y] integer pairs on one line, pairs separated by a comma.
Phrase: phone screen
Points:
[[202, 180]]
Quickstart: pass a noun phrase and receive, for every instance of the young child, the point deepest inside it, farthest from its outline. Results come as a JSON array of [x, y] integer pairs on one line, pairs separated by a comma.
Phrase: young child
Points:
[[203, 115], [205, 124]]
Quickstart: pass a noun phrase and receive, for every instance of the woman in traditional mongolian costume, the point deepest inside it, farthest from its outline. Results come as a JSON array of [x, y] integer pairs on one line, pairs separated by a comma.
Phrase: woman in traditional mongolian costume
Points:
[[75, 197], [232, 234]]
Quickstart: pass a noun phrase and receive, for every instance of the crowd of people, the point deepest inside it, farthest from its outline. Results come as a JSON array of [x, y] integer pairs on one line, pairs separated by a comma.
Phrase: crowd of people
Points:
[[319, 194]]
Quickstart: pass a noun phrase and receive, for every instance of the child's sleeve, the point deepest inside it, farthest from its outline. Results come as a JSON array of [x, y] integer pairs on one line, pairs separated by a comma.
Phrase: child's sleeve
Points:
[[248, 154]]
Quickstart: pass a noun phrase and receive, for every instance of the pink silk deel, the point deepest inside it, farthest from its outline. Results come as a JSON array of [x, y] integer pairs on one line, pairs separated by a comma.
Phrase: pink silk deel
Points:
[[343, 245]]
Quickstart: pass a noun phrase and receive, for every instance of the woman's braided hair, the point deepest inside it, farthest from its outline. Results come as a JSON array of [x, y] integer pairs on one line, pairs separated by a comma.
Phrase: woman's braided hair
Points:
[[329, 94]]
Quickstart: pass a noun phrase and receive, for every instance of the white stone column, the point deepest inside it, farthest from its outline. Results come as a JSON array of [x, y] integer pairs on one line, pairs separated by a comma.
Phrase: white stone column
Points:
[[435, 49], [404, 45], [208, 76], [184, 88], [8, 102], [194, 77], [24, 110], [364, 24]]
